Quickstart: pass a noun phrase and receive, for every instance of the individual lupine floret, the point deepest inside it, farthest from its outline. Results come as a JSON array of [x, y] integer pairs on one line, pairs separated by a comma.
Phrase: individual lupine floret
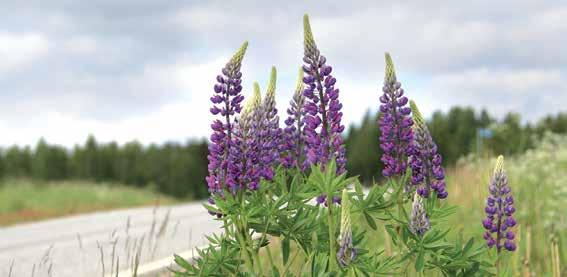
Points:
[[270, 132], [244, 154], [425, 162], [419, 222], [395, 124], [347, 252], [226, 104], [322, 199], [499, 211], [323, 126], [294, 139]]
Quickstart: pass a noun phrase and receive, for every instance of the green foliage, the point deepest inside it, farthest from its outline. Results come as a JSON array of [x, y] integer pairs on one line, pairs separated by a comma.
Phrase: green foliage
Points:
[[49, 163], [174, 169], [284, 211]]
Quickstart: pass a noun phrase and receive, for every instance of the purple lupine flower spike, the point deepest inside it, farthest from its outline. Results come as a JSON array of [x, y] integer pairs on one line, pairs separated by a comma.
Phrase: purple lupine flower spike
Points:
[[395, 124], [419, 222], [226, 104], [294, 139], [425, 162], [323, 116], [244, 153], [270, 133], [499, 211]]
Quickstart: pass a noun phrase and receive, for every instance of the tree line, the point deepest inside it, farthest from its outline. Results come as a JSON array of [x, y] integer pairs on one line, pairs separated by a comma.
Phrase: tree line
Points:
[[456, 134], [179, 169], [172, 168]]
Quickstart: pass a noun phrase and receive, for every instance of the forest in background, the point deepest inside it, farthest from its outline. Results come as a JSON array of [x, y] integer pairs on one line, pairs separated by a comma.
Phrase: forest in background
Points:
[[179, 169]]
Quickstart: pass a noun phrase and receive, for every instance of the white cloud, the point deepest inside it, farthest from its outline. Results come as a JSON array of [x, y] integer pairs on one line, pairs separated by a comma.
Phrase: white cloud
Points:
[[531, 92], [82, 45], [20, 50], [176, 121]]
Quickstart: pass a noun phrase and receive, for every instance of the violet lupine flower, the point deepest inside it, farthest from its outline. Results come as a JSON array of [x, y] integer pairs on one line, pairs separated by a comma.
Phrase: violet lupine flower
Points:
[[226, 104], [323, 116], [322, 199], [293, 137], [395, 124], [425, 162], [270, 132], [419, 222], [499, 211], [346, 252], [244, 153]]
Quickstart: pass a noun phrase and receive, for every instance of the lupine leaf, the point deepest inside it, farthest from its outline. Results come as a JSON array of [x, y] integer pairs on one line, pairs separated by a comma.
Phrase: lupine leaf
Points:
[[180, 261], [285, 250], [370, 221], [420, 261]]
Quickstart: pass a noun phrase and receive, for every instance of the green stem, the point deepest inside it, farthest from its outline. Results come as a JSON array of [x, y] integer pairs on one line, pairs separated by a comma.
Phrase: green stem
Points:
[[497, 265], [332, 251], [243, 249], [267, 248], [400, 203], [241, 234], [290, 262]]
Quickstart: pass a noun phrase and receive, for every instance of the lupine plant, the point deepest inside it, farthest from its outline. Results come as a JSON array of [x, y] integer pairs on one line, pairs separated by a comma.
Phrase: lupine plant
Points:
[[284, 193], [499, 213]]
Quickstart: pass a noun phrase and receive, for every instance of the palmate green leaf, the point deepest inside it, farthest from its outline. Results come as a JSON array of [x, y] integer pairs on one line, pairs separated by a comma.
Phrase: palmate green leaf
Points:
[[384, 266], [434, 235], [459, 260], [440, 214], [214, 260]]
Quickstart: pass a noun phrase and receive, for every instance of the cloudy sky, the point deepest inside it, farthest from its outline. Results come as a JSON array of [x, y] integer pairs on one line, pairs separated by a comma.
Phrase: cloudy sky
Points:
[[140, 69]]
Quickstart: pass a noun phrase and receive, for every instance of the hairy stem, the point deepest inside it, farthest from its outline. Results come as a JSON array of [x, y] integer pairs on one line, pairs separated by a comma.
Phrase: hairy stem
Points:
[[332, 251]]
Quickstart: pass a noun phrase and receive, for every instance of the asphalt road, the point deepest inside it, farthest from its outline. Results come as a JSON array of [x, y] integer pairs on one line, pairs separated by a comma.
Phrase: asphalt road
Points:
[[77, 245]]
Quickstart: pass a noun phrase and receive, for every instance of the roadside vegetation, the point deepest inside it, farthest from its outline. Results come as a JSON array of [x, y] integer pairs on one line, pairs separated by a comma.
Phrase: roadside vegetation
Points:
[[539, 182], [25, 200]]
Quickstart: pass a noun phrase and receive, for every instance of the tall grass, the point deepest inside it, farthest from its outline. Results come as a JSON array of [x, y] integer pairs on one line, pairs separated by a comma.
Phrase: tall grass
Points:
[[23, 200], [539, 182]]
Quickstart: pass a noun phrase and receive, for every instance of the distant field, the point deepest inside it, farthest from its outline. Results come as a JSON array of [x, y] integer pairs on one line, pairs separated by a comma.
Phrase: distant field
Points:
[[22, 201]]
